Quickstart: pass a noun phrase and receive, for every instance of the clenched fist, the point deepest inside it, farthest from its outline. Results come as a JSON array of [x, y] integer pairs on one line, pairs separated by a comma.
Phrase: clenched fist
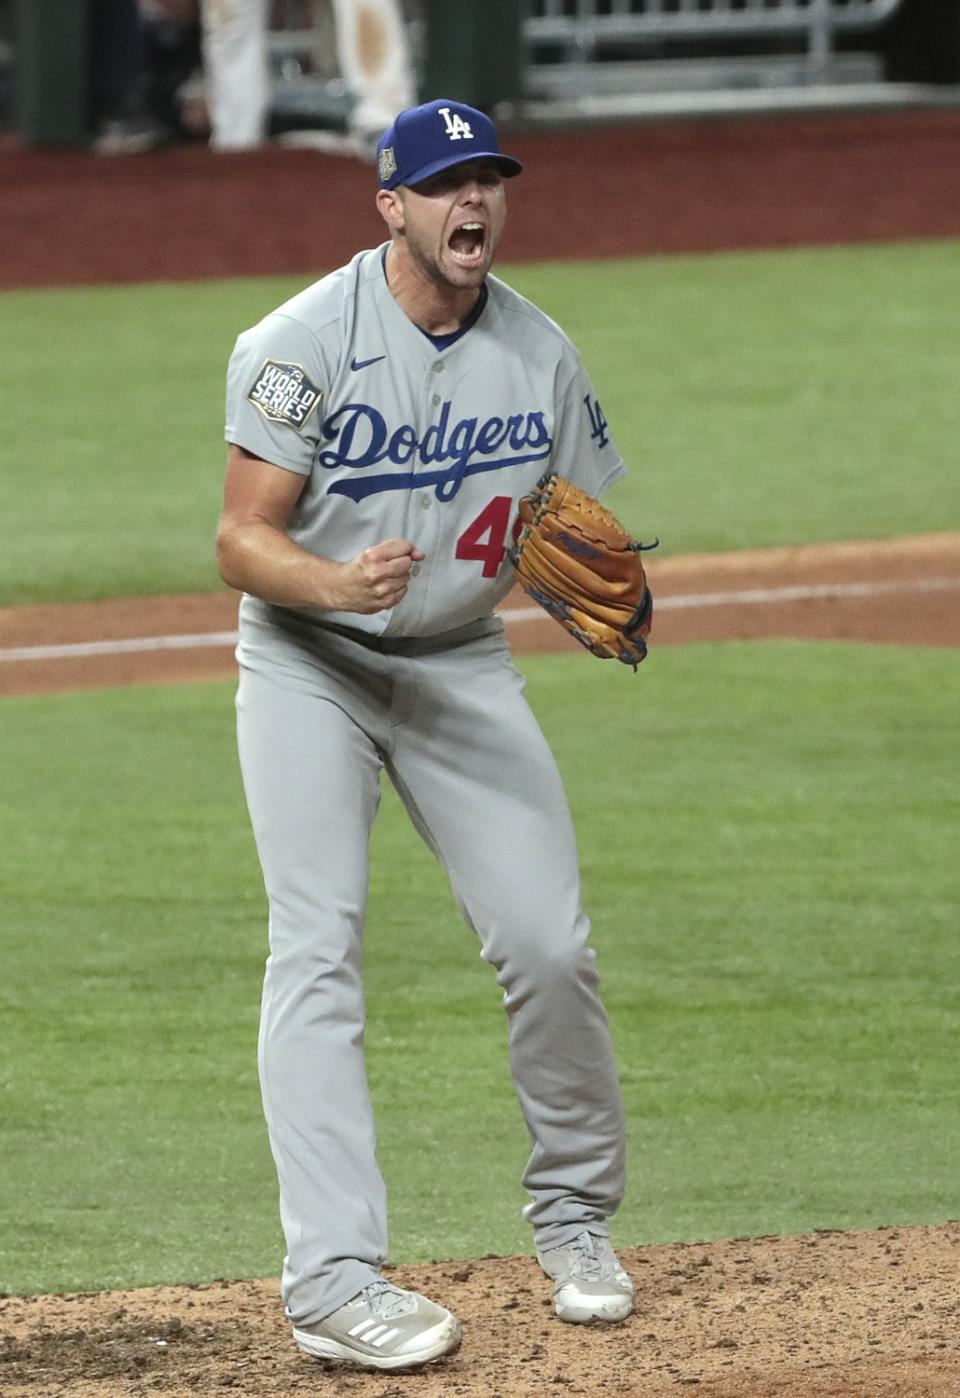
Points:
[[376, 579]]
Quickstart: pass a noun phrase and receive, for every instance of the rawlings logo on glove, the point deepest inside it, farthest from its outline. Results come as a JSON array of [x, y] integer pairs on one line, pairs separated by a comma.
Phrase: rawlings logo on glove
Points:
[[577, 561]]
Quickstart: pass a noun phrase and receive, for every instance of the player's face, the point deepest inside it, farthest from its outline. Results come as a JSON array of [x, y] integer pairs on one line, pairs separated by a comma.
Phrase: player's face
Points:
[[453, 221]]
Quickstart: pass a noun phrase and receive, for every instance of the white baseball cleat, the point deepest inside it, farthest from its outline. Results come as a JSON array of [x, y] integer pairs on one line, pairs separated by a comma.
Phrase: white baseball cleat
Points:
[[588, 1280], [382, 1327]]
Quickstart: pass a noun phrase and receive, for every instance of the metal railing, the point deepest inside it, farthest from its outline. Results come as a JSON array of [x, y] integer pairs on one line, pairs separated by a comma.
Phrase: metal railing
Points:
[[594, 22], [579, 44], [586, 59]]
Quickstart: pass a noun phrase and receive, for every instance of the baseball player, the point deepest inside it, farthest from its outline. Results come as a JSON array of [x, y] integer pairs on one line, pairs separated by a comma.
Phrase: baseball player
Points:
[[373, 52], [237, 70], [383, 425]]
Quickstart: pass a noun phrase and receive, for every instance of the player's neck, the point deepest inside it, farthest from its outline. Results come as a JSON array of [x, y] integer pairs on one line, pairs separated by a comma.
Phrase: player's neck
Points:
[[439, 310]]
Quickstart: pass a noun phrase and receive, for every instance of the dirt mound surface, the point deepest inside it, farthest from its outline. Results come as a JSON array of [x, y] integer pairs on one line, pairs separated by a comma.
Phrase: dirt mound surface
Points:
[[870, 1313]]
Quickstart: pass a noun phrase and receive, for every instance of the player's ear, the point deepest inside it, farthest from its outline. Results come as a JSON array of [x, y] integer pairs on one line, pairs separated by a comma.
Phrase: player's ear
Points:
[[391, 208]]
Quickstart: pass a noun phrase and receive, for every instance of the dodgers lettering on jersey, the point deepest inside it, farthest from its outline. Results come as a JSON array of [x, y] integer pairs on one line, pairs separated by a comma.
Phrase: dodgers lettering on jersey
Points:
[[464, 448]]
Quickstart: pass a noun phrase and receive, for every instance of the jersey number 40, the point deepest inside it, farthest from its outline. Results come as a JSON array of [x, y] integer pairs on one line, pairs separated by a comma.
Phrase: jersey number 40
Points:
[[484, 540]]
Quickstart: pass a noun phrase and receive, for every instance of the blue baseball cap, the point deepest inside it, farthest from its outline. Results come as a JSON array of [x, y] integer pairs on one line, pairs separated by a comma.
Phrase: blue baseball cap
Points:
[[424, 140]]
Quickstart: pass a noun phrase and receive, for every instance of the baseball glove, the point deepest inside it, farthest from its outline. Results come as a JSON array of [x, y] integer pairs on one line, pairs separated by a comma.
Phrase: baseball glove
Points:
[[577, 560]]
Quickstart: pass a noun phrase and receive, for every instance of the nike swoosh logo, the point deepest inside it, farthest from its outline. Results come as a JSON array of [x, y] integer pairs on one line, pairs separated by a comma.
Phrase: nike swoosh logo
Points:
[[362, 363]]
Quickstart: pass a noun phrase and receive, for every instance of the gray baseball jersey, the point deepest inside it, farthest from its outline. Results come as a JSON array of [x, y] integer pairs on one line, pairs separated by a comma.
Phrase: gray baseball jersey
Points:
[[400, 439]]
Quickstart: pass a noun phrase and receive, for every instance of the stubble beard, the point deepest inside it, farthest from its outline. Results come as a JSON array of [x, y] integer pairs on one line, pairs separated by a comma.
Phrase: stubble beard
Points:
[[447, 275]]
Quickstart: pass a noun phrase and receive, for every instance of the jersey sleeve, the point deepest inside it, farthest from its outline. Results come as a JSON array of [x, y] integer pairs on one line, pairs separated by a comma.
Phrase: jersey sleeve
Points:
[[584, 451], [275, 389]]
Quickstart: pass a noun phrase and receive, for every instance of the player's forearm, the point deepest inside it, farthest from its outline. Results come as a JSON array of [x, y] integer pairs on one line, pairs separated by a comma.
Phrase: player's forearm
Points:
[[258, 558]]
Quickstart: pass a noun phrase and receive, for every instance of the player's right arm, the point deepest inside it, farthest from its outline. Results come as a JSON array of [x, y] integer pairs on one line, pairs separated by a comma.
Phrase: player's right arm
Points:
[[256, 555]]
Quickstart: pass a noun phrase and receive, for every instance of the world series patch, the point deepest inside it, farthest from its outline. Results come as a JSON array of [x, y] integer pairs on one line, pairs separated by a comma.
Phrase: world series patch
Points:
[[387, 163], [283, 393]]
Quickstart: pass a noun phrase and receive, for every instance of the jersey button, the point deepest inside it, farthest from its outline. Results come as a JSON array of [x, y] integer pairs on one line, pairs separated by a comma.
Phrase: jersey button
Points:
[[415, 570], [437, 400], [438, 367], [424, 502]]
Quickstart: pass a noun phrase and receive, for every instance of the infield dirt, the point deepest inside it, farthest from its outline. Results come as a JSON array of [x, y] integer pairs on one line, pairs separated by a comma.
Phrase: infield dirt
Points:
[[851, 1315], [896, 591]]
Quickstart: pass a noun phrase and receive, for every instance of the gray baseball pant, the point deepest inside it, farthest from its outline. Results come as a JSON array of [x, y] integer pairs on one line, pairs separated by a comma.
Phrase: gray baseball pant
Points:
[[318, 718]]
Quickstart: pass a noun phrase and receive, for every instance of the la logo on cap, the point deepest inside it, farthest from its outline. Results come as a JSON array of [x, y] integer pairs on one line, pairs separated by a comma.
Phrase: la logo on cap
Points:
[[457, 128], [422, 141]]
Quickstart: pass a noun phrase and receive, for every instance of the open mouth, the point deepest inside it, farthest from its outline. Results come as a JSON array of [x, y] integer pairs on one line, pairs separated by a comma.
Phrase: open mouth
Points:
[[466, 243]]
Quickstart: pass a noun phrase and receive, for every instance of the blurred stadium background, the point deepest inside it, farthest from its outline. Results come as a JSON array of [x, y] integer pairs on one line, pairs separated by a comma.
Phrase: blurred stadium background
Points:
[[543, 61]]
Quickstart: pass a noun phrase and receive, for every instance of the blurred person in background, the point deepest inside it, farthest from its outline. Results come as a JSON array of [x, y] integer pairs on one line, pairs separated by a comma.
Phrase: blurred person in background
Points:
[[171, 59], [118, 113], [236, 72], [373, 54], [167, 70], [373, 51], [142, 53]]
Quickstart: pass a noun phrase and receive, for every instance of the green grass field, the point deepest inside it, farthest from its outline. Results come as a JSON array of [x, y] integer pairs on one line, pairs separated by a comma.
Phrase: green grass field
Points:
[[768, 831], [759, 398], [768, 836]]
